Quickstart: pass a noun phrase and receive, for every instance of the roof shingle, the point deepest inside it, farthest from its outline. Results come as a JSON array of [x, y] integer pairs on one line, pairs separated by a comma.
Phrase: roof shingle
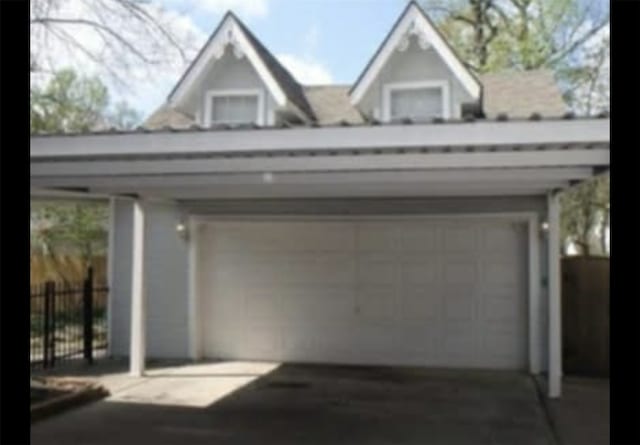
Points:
[[521, 94], [517, 94]]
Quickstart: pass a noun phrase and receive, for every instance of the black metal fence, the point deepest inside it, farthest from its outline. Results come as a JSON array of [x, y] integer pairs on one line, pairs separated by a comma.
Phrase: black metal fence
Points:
[[68, 322]]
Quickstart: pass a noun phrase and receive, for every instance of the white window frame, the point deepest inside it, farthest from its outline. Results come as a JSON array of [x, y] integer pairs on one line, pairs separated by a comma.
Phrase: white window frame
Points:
[[389, 88], [211, 94]]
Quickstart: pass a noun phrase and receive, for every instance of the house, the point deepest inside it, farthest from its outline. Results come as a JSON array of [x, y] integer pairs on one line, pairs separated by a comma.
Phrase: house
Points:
[[411, 218]]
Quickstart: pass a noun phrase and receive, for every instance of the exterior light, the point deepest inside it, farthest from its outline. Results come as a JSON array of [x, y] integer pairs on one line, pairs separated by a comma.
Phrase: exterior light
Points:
[[267, 177], [544, 226], [181, 229]]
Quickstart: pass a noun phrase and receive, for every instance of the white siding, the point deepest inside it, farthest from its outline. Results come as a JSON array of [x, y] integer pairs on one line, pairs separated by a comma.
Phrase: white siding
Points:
[[414, 65], [228, 73], [166, 282], [120, 292]]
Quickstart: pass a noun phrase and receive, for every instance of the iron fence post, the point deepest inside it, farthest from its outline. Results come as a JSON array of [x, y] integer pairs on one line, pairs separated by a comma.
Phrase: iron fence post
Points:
[[88, 316], [49, 289], [52, 324]]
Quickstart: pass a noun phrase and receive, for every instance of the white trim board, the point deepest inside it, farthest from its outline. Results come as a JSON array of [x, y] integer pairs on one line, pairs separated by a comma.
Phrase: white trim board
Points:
[[213, 93], [228, 33], [111, 251], [494, 175], [595, 132], [429, 161], [389, 88], [195, 348], [414, 20]]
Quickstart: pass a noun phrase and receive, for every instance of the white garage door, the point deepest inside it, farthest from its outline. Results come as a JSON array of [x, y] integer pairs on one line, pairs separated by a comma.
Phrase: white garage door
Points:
[[415, 292]]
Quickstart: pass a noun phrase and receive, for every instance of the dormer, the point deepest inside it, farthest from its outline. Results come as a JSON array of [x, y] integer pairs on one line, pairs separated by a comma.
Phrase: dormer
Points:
[[235, 80], [416, 75]]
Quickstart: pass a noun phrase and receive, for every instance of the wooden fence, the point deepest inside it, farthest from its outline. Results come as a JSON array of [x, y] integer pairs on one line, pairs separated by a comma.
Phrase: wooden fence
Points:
[[66, 268], [585, 315]]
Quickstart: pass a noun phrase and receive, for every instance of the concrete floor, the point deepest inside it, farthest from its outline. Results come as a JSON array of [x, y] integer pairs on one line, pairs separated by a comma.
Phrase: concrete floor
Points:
[[263, 403], [581, 415]]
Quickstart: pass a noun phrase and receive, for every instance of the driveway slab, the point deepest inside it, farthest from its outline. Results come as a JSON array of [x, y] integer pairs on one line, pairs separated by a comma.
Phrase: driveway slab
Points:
[[581, 415], [257, 403]]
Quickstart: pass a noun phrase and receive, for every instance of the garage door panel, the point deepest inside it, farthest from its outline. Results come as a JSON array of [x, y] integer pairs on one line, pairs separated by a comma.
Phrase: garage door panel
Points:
[[377, 269], [416, 292], [229, 304], [500, 238], [225, 340], [316, 305], [502, 349], [376, 237], [257, 268], [262, 304], [242, 238], [263, 340], [419, 238], [373, 341], [376, 303], [416, 270], [422, 303], [420, 340], [459, 343], [459, 270], [460, 238], [319, 237], [460, 307], [500, 308], [319, 269], [500, 271]]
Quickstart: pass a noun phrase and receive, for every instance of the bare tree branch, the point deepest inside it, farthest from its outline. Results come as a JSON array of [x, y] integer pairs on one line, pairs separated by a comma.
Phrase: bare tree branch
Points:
[[48, 21], [578, 42]]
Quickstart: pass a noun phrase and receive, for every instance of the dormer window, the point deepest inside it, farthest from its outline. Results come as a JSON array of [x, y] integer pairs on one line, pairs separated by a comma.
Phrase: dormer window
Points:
[[416, 100], [235, 107]]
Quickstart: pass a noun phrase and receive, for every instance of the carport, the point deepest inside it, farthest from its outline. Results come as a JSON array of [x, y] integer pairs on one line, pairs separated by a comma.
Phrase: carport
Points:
[[343, 192]]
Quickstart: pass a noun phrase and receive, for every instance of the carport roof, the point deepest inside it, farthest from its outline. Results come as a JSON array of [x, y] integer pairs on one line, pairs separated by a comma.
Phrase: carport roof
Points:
[[454, 158], [185, 125]]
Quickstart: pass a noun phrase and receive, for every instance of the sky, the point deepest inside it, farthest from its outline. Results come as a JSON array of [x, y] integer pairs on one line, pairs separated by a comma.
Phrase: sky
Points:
[[319, 41], [307, 36]]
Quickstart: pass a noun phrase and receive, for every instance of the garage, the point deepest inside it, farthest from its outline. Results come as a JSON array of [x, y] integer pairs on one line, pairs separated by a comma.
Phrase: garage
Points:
[[427, 291]]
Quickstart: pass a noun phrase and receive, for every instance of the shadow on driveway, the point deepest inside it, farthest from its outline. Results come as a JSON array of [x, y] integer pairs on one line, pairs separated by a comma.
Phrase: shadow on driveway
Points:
[[263, 403]]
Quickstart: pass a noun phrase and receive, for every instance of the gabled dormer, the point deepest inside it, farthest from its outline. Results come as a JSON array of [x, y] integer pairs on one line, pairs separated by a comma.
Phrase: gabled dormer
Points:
[[235, 80], [415, 74]]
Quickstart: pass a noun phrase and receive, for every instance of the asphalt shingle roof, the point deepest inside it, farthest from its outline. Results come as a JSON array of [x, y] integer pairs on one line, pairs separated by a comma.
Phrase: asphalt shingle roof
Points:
[[331, 104], [292, 89], [517, 94], [522, 93]]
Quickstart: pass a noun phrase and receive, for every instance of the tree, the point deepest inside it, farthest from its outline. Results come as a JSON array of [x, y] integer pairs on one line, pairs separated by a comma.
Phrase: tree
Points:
[[116, 35], [72, 227], [570, 37], [560, 35], [69, 103], [585, 216]]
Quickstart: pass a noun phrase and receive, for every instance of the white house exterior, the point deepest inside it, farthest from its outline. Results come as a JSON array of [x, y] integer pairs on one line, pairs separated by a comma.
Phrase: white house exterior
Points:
[[409, 219]]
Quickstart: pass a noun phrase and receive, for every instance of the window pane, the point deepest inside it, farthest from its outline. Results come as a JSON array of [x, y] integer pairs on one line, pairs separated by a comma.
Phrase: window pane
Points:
[[423, 103], [234, 109]]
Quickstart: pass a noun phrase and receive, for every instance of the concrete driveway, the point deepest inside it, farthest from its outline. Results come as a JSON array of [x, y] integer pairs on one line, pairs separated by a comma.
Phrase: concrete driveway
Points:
[[258, 403]]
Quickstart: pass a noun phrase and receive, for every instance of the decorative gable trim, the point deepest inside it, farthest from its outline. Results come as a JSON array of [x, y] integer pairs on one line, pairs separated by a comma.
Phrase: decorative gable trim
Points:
[[414, 21], [229, 32]]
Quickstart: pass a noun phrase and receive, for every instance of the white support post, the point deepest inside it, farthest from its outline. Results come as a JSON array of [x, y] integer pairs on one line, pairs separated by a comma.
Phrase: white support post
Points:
[[110, 272], [194, 329], [138, 317], [555, 304], [534, 296]]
